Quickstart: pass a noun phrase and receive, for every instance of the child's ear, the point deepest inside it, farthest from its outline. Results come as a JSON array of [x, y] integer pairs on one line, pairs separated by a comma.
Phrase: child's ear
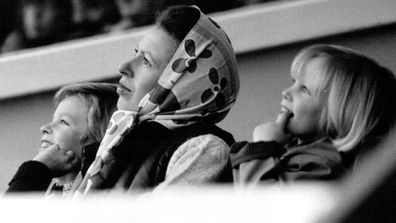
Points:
[[86, 140]]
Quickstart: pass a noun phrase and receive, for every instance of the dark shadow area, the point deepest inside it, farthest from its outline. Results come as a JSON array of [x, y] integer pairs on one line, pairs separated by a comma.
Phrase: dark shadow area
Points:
[[32, 23]]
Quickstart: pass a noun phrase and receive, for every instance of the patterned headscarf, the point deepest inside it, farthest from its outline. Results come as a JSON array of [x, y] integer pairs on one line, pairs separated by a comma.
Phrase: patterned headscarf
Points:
[[200, 83]]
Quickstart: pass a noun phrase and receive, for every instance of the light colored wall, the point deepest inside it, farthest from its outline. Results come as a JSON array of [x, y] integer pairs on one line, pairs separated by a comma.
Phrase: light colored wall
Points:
[[19, 129], [263, 73]]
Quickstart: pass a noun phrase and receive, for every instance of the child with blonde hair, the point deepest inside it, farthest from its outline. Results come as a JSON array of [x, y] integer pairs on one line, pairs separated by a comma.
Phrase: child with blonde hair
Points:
[[340, 102], [69, 141]]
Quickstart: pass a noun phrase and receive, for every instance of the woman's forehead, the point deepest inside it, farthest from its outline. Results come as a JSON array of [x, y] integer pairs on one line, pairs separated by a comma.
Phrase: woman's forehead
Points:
[[158, 44]]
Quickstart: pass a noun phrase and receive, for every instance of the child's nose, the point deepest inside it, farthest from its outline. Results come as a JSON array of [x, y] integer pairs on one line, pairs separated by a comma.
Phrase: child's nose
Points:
[[45, 129], [286, 95]]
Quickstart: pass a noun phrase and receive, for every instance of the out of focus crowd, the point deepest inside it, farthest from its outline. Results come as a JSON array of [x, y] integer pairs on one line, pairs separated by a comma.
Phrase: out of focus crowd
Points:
[[33, 23]]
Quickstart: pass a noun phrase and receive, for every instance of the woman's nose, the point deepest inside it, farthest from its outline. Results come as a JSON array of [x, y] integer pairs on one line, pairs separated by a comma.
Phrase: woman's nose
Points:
[[45, 129], [126, 68]]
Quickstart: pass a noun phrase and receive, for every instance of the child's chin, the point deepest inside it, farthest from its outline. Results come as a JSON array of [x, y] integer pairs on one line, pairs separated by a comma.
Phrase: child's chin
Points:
[[289, 126]]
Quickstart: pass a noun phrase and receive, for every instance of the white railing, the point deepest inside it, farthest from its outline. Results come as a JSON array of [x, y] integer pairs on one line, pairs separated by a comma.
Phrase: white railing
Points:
[[249, 28]]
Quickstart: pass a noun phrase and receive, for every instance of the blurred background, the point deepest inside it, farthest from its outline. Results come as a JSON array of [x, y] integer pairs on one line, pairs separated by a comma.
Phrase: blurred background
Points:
[[34, 23]]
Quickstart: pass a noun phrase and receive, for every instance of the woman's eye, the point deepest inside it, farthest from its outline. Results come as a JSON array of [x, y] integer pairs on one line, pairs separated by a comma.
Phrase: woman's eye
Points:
[[146, 62]]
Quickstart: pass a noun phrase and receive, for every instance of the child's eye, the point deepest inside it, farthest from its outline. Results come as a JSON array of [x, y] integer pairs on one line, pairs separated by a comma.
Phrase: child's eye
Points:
[[305, 89], [64, 122], [136, 51]]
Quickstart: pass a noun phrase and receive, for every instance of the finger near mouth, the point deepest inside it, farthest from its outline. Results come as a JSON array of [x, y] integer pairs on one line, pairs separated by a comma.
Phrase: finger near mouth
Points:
[[286, 110], [283, 110]]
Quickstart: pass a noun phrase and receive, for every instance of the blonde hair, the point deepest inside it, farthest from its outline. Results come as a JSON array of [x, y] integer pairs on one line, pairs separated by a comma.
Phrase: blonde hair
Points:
[[358, 94], [101, 100]]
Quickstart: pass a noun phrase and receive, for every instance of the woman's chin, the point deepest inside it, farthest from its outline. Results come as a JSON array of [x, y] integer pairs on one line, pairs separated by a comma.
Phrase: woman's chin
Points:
[[123, 104]]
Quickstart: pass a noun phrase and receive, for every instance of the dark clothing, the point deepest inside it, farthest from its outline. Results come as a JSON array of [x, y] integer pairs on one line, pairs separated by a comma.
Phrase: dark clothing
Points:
[[144, 153], [34, 176], [261, 162]]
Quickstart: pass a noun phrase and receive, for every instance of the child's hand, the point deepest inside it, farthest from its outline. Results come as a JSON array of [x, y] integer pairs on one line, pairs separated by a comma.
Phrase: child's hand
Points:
[[57, 160], [273, 131]]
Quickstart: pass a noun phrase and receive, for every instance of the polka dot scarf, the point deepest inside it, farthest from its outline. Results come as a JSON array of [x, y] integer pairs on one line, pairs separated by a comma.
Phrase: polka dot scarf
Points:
[[199, 83]]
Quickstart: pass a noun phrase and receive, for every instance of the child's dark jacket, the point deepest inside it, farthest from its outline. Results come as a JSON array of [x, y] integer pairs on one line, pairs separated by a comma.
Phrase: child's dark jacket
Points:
[[266, 162]]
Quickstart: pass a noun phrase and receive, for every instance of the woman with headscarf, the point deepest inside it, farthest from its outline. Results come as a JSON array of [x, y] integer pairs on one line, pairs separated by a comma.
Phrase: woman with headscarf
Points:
[[181, 81]]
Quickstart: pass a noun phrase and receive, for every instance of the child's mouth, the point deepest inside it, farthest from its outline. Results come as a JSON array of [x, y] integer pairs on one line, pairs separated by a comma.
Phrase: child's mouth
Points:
[[45, 144], [289, 116], [289, 113]]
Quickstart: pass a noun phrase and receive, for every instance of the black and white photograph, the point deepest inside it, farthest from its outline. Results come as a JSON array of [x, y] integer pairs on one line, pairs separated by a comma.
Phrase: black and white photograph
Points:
[[198, 111]]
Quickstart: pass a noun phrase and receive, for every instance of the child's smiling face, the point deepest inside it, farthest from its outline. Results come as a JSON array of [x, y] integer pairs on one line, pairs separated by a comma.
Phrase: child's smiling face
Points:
[[69, 124], [302, 100]]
